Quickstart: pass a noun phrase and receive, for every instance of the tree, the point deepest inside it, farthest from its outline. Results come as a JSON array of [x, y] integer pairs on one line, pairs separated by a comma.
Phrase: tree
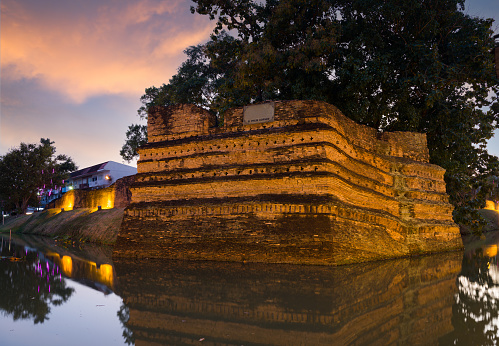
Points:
[[283, 46], [205, 79], [425, 67], [31, 168], [198, 81], [136, 136], [394, 65]]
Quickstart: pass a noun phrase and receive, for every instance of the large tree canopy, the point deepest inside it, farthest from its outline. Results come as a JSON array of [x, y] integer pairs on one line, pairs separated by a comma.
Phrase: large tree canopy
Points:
[[26, 170], [420, 65]]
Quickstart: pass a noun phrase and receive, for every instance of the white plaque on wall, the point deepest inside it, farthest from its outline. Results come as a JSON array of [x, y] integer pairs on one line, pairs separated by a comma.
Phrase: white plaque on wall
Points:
[[261, 113]]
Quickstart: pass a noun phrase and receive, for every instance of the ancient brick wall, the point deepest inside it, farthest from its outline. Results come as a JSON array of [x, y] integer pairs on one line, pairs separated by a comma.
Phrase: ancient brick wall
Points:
[[214, 193], [180, 121]]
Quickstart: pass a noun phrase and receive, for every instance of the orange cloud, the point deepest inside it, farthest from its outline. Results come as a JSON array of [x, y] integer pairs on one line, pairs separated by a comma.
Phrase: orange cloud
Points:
[[113, 48]]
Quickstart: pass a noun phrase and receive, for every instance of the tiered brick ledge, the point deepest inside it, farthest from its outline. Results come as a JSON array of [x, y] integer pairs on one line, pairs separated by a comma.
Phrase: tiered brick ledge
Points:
[[310, 186]]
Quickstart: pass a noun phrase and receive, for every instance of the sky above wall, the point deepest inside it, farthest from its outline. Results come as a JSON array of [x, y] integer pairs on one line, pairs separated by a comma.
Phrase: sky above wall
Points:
[[74, 71]]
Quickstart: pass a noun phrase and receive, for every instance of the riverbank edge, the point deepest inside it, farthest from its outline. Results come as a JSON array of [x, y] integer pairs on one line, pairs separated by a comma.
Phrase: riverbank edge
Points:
[[82, 225], [102, 226]]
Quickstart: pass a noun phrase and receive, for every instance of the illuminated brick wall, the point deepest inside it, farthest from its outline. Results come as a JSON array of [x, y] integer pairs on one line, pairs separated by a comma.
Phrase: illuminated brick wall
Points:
[[117, 195], [311, 187]]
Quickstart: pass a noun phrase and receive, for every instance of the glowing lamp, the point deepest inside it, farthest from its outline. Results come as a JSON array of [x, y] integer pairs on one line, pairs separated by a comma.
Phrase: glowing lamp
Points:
[[67, 265], [491, 251], [107, 177]]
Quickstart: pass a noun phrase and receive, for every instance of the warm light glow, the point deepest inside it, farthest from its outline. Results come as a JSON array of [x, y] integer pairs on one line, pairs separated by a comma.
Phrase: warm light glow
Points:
[[54, 255], [490, 205], [110, 202], [67, 201], [80, 268], [491, 250], [102, 197], [67, 265], [108, 177], [106, 274]]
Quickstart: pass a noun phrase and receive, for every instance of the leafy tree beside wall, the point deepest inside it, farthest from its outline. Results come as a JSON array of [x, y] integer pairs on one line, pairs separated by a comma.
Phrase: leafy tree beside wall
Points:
[[421, 66], [26, 169], [136, 135]]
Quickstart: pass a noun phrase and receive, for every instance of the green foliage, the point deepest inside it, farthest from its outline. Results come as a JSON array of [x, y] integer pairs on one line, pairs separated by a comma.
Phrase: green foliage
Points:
[[136, 135], [201, 80], [281, 50], [421, 66], [25, 169], [425, 67]]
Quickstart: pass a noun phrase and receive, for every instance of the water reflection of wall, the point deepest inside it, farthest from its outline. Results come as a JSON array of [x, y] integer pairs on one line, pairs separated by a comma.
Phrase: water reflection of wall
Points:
[[84, 269], [87, 263], [406, 301]]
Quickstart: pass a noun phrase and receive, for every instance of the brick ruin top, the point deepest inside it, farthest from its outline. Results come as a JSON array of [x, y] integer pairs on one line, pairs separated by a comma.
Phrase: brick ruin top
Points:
[[185, 121]]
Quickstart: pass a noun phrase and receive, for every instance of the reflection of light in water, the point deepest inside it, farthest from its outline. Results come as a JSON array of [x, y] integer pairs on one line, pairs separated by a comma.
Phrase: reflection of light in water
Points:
[[106, 274], [55, 255], [67, 265], [479, 293], [51, 264], [485, 294], [77, 268], [490, 250], [494, 274]]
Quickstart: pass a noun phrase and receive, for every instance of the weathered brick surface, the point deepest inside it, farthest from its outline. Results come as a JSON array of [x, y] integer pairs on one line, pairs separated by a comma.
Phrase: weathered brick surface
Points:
[[310, 187], [180, 121]]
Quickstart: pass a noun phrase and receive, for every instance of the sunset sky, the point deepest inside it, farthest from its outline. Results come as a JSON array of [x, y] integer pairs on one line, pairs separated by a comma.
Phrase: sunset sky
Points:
[[74, 71]]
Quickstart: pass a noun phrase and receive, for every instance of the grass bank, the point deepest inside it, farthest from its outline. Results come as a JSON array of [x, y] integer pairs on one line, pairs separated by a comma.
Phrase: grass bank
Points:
[[78, 225]]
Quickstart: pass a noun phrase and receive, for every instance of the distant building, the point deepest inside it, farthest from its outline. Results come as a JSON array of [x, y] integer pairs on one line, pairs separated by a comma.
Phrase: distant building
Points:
[[98, 176]]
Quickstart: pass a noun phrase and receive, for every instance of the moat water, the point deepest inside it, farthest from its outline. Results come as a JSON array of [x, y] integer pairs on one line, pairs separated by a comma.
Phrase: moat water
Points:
[[56, 293]]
